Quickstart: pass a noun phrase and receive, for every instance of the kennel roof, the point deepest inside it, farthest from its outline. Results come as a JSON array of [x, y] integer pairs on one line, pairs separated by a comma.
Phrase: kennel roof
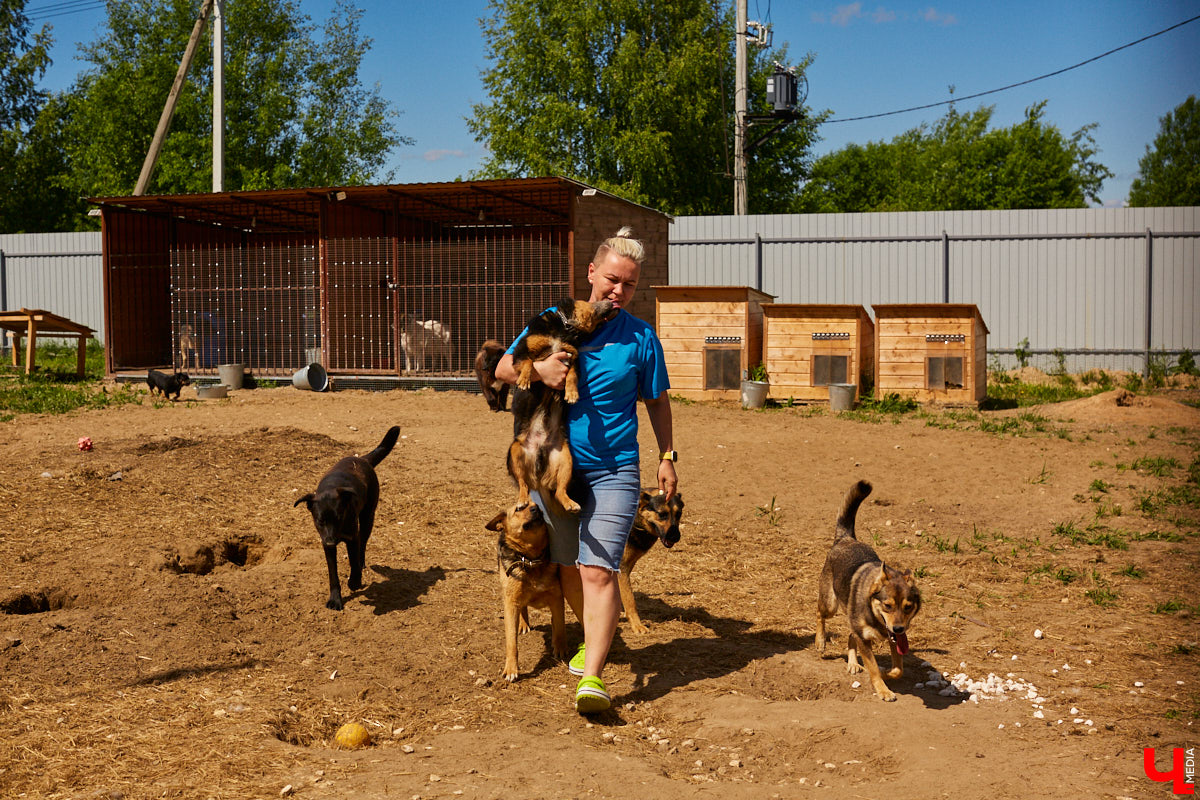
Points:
[[482, 204]]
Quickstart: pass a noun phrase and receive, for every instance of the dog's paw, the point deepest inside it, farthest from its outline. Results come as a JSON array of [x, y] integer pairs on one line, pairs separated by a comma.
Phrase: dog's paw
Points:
[[887, 696], [523, 627], [853, 668], [896, 672], [510, 675], [334, 603], [571, 507], [638, 627], [571, 395]]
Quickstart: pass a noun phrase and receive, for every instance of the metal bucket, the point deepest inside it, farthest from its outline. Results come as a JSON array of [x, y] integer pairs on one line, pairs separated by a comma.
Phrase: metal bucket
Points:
[[232, 374], [754, 393], [312, 377], [841, 396]]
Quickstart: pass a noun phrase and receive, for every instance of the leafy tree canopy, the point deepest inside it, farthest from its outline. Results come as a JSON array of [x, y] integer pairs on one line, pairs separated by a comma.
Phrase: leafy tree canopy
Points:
[[296, 112], [1169, 172], [959, 164], [632, 97]]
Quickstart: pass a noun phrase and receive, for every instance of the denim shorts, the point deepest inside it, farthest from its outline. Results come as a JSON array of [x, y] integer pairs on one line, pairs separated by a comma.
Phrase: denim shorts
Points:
[[595, 537]]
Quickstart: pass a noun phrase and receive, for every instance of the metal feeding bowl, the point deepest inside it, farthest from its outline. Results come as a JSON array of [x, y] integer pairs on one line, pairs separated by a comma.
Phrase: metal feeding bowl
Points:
[[214, 392]]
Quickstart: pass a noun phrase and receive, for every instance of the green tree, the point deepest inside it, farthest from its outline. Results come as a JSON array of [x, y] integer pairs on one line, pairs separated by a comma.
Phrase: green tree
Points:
[[633, 97], [296, 112], [961, 164], [23, 61], [1169, 173]]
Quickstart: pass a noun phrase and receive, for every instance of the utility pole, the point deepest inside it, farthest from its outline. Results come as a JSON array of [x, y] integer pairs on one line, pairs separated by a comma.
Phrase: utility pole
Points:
[[218, 111], [164, 121], [739, 106]]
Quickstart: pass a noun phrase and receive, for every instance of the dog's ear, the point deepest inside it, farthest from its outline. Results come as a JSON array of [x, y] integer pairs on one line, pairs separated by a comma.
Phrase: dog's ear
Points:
[[908, 578], [308, 498], [345, 497], [880, 579], [645, 498], [497, 522]]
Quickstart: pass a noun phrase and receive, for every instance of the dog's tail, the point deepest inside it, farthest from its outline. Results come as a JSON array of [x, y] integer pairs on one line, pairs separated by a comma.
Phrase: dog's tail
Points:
[[845, 521], [385, 447]]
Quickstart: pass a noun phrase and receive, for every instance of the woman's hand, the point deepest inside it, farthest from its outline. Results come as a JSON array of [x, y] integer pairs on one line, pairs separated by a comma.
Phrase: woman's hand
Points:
[[553, 369], [668, 481]]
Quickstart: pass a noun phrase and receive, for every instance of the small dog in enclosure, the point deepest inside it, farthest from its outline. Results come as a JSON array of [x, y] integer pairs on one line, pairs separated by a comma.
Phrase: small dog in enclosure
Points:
[[540, 457], [165, 384], [343, 510], [527, 578], [657, 518], [880, 601], [494, 391], [187, 347]]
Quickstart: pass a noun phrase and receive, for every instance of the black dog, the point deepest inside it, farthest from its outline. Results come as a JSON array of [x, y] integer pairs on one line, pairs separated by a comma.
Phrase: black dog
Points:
[[166, 384], [540, 456], [494, 391], [343, 509]]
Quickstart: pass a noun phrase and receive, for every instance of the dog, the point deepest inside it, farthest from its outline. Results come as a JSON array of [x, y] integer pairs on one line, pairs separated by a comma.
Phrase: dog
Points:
[[494, 391], [187, 346], [165, 384], [540, 457], [343, 509], [426, 343], [879, 600], [657, 518], [527, 578]]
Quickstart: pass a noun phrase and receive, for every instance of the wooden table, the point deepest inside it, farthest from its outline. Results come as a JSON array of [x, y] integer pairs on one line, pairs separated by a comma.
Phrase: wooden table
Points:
[[30, 322]]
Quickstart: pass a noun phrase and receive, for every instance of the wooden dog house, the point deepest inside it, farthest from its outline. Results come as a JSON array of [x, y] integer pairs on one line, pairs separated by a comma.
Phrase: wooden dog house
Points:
[[935, 352], [710, 335], [806, 347]]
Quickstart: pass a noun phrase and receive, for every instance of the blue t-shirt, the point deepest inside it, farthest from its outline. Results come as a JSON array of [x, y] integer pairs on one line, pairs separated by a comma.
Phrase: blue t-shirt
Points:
[[622, 361]]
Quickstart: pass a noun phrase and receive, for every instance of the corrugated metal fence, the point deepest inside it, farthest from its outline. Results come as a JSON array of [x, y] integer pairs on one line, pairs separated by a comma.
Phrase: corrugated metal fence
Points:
[[1107, 288], [56, 272]]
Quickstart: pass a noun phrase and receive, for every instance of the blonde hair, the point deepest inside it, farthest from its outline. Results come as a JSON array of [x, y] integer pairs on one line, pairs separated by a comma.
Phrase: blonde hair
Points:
[[623, 244]]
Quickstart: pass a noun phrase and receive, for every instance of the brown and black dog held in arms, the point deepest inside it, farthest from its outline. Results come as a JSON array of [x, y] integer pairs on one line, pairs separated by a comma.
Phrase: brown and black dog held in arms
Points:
[[165, 384], [657, 518], [880, 601], [494, 391], [343, 509], [540, 456], [527, 578]]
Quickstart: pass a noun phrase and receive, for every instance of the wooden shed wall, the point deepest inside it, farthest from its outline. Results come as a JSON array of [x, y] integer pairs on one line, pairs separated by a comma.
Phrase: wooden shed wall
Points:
[[902, 350], [686, 316], [789, 347], [596, 218]]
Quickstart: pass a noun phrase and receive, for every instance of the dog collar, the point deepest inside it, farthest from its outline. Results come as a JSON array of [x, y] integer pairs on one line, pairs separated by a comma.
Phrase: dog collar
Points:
[[512, 558]]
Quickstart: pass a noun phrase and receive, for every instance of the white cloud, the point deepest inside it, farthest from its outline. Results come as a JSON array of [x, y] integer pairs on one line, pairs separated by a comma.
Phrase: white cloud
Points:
[[931, 14], [881, 15], [441, 155], [844, 15], [847, 14]]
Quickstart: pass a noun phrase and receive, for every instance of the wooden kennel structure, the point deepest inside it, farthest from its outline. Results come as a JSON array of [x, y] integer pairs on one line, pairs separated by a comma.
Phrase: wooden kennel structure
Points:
[[807, 347], [711, 335], [934, 352], [346, 276]]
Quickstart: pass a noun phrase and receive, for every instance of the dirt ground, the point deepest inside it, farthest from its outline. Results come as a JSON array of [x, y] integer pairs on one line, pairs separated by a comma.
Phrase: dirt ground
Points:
[[164, 630]]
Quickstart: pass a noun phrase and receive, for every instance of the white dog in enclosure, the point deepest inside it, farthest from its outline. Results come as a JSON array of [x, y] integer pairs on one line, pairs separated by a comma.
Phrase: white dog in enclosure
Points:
[[426, 344]]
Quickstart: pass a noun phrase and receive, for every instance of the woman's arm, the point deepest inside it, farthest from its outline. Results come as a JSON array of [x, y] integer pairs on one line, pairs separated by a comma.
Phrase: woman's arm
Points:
[[659, 412], [551, 371]]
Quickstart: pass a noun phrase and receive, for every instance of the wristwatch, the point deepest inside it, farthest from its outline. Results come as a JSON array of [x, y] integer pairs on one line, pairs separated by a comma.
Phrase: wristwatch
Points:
[[669, 455]]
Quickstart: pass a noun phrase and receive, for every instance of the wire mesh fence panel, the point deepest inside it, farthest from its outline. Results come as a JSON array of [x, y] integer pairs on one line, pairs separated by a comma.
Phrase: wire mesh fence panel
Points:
[[359, 320], [233, 303]]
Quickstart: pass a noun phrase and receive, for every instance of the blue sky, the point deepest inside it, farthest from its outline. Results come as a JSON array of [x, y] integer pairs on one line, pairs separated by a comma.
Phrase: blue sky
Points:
[[870, 58]]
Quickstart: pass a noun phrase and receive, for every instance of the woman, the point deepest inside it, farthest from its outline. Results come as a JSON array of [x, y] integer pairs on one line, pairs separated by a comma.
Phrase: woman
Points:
[[620, 362]]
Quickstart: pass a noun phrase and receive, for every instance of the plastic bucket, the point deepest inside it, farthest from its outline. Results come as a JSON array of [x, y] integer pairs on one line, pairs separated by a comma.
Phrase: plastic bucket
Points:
[[754, 393], [841, 396], [312, 377], [232, 374]]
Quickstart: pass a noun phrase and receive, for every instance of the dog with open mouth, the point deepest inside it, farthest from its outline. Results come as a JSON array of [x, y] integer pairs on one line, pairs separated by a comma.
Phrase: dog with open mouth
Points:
[[657, 520], [880, 601]]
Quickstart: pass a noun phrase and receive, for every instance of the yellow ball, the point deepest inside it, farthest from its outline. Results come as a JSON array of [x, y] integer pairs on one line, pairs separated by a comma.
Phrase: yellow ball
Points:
[[352, 736]]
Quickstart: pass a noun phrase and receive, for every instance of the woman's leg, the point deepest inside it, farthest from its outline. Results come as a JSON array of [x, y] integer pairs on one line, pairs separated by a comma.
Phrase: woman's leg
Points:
[[601, 610]]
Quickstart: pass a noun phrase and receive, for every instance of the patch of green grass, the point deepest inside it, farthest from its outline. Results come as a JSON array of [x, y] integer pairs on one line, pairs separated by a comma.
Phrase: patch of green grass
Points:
[[1105, 510], [1068, 531], [1101, 593], [945, 545], [1181, 649], [54, 388], [1158, 467], [1157, 536], [890, 407], [1042, 476], [771, 511], [1168, 607], [1018, 394], [1131, 571], [1064, 575], [1099, 485]]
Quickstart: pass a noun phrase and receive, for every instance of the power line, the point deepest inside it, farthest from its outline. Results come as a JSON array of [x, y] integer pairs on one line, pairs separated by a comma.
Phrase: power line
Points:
[[64, 8], [1021, 83]]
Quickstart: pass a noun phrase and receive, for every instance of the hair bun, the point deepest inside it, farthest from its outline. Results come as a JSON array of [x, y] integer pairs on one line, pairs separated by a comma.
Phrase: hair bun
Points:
[[626, 232]]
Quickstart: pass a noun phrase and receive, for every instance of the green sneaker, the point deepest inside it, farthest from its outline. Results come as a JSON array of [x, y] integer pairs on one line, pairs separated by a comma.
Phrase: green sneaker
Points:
[[591, 697], [575, 665]]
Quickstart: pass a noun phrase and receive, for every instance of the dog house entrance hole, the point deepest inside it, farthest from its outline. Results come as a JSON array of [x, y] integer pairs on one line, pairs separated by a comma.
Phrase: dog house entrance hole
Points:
[[827, 369], [944, 372], [723, 367]]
